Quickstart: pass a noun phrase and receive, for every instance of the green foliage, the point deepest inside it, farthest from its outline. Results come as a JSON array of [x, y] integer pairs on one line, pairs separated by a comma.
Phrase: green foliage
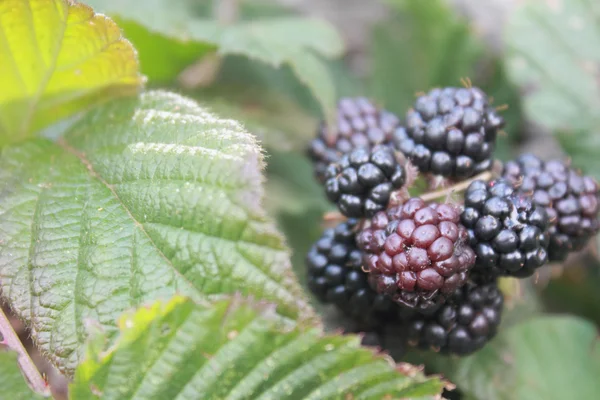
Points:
[[276, 119], [12, 381], [148, 198], [286, 40], [235, 350], [57, 58], [553, 51], [140, 200], [424, 45], [543, 358]]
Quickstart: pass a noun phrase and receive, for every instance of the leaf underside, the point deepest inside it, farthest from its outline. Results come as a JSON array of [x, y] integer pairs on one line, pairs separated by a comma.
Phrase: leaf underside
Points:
[[543, 358], [142, 199], [236, 350], [553, 53]]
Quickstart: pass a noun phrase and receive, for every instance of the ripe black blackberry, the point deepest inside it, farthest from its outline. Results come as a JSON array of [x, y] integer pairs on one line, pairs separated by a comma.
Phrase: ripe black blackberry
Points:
[[360, 125], [570, 200], [417, 253], [508, 232], [450, 132], [335, 275], [362, 181], [468, 320]]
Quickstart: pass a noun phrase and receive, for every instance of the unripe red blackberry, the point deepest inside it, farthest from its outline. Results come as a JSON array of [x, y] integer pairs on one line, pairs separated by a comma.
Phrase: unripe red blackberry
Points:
[[335, 276], [570, 200], [362, 181], [360, 124], [450, 132], [417, 253], [508, 232], [464, 324]]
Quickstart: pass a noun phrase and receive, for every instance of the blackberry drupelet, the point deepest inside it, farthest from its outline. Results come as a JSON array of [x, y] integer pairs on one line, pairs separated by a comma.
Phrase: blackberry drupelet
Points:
[[335, 275], [508, 232], [360, 125], [361, 182], [468, 320], [570, 200], [417, 253], [450, 132]]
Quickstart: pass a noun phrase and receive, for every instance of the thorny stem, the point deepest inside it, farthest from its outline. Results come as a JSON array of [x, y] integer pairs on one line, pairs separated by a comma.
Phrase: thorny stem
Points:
[[12, 341], [459, 187], [334, 216]]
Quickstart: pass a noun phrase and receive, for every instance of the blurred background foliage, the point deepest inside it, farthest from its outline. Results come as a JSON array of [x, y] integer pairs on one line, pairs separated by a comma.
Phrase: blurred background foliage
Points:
[[280, 71]]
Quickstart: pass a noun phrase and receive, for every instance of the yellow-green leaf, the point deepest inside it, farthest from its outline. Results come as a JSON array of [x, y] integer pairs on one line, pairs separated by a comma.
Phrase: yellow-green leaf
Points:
[[56, 58]]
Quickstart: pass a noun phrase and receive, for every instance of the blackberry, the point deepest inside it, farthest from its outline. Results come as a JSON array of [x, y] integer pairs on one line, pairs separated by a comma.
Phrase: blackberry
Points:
[[361, 182], [508, 232], [360, 125], [450, 132], [468, 320], [335, 275], [417, 253], [570, 200]]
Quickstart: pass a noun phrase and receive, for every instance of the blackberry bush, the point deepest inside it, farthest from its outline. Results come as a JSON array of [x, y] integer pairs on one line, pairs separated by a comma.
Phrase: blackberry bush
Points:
[[468, 320], [362, 181], [335, 276], [360, 124], [508, 232], [417, 253], [450, 132], [570, 200]]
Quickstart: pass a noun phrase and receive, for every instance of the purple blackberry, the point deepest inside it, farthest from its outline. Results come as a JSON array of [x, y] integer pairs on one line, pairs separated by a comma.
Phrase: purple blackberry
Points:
[[450, 132], [362, 181], [468, 320], [417, 253], [570, 200], [360, 125], [335, 275], [508, 232]]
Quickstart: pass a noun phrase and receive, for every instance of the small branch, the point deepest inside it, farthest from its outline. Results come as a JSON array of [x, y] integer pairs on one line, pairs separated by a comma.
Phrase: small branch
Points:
[[205, 71], [226, 12], [12, 341], [403, 195], [459, 187]]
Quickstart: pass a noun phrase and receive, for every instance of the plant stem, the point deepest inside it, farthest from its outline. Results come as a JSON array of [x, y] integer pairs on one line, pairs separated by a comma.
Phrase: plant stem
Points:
[[12, 341], [459, 187]]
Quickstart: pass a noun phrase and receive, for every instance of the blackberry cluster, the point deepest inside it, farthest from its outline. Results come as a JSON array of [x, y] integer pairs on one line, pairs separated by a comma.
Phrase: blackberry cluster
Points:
[[417, 253], [508, 232], [464, 324], [431, 270], [335, 275], [362, 181], [360, 125], [450, 132], [570, 200]]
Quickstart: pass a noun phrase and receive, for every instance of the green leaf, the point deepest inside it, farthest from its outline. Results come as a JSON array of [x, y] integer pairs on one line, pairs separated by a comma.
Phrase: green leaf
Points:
[[236, 350], [544, 358], [423, 45], [298, 42], [575, 290], [553, 52], [56, 58], [12, 381], [277, 121], [141, 199]]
